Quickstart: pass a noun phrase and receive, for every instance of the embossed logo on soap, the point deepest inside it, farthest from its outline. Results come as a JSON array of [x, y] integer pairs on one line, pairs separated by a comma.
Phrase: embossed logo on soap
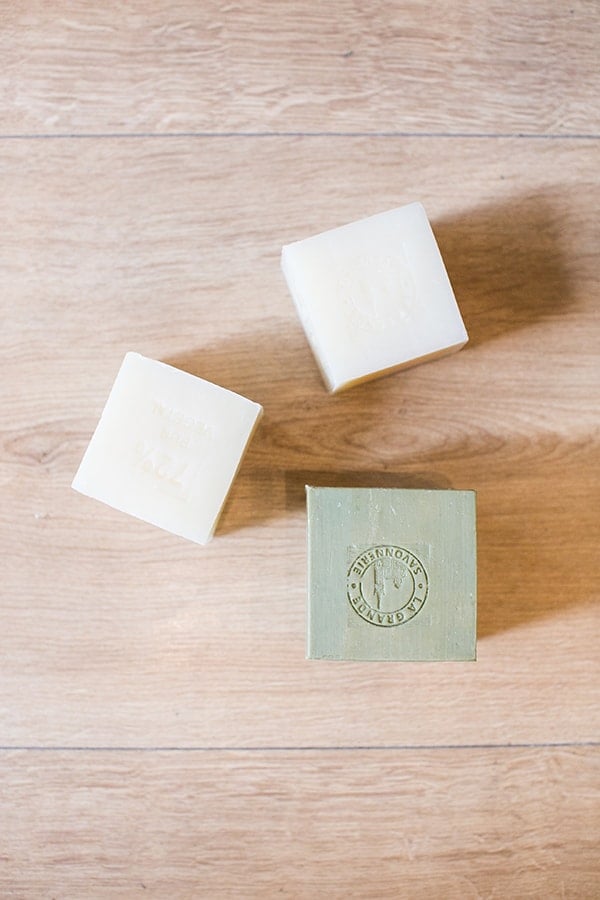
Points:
[[171, 451], [379, 289], [387, 585]]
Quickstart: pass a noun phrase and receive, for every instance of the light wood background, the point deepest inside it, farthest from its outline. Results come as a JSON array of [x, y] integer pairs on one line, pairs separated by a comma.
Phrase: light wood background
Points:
[[162, 735]]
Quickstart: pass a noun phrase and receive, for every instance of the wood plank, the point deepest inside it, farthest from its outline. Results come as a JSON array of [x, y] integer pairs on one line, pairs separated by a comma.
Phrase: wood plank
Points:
[[453, 824], [474, 66], [117, 634]]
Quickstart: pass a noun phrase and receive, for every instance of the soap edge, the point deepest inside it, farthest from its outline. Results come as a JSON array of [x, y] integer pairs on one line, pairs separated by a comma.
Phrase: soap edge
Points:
[[400, 367], [124, 364], [304, 317], [159, 362], [257, 418], [361, 221]]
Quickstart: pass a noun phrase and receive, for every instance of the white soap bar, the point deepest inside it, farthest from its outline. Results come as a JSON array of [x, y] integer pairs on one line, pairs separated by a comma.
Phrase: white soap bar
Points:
[[167, 447], [374, 296]]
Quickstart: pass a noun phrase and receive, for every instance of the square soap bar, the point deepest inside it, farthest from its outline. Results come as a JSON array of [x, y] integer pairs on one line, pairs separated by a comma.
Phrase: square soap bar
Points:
[[167, 447], [374, 296], [391, 574]]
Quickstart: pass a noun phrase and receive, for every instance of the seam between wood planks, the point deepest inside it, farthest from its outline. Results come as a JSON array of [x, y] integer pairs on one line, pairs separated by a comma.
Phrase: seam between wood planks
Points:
[[126, 135], [34, 748]]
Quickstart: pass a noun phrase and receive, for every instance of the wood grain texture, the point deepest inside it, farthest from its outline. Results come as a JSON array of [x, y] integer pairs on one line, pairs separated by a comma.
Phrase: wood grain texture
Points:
[[467, 824], [473, 66], [117, 634], [161, 732]]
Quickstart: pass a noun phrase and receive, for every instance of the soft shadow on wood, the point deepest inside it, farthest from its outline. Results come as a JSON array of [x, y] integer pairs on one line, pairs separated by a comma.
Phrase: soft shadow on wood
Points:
[[533, 547], [538, 535], [506, 264], [506, 267], [278, 371], [261, 494], [273, 367]]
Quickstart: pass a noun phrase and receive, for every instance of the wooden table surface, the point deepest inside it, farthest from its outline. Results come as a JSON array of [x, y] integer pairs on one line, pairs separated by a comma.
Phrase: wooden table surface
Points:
[[162, 735]]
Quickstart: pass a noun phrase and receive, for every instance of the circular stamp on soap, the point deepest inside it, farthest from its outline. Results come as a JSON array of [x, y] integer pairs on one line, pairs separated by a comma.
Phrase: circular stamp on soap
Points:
[[387, 585], [378, 290]]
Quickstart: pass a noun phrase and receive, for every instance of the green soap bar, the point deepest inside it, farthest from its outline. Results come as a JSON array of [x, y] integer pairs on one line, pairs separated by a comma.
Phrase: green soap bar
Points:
[[391, 574]]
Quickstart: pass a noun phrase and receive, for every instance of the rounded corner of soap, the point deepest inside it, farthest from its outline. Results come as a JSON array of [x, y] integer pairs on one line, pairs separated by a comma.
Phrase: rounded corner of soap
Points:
[[417, 206], [205, 539], [284, 256], [335, 386], [131, 355]]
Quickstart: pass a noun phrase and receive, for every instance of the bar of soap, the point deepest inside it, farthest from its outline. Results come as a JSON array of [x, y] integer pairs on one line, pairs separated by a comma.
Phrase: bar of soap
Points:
[[373, 296], [167, 447], [391, 574]]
